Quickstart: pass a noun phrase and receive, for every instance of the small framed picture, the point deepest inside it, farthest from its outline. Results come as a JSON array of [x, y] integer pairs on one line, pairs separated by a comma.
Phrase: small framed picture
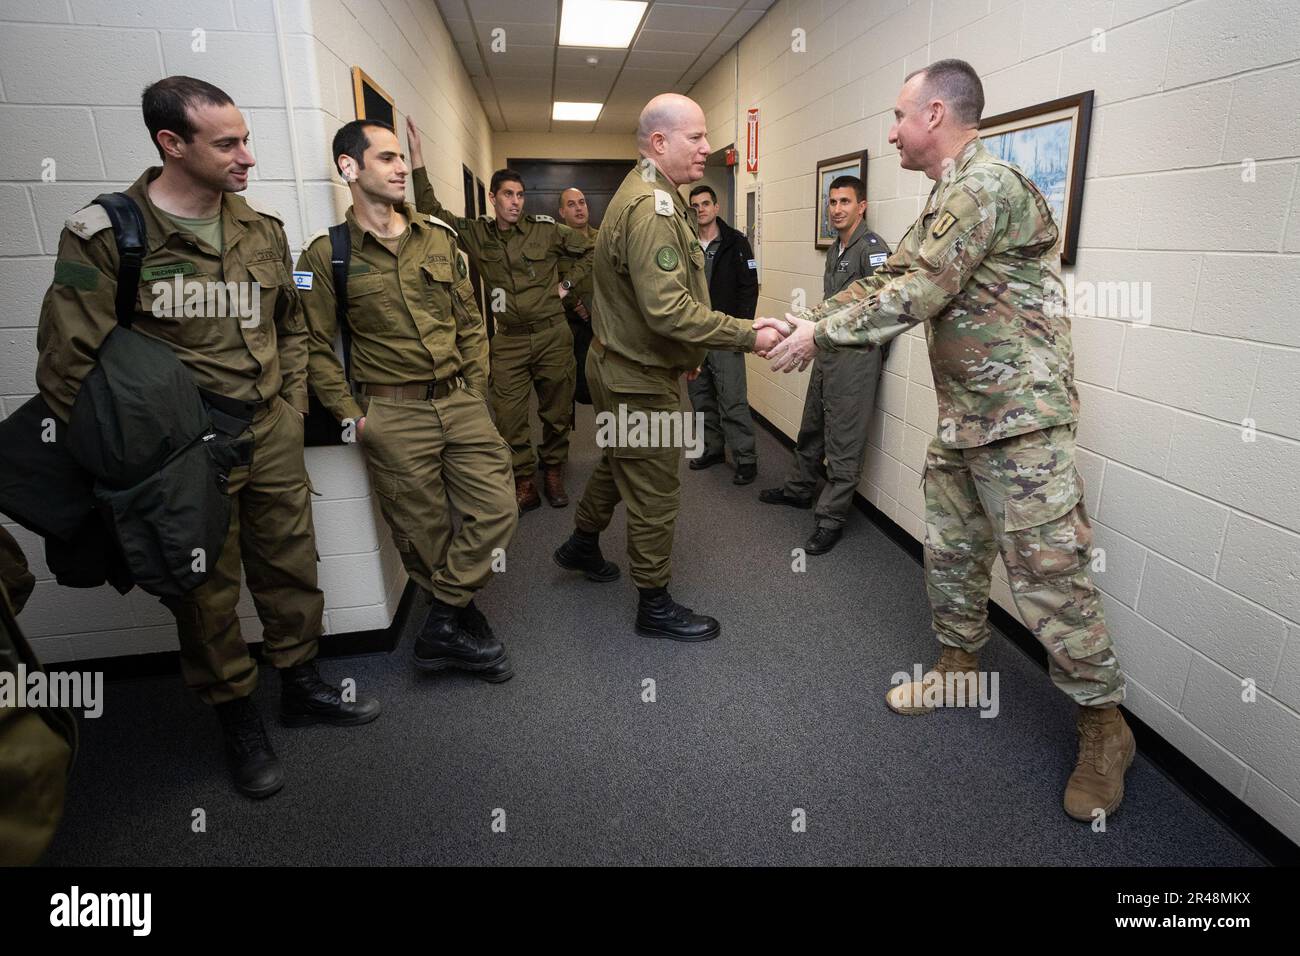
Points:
[[1049, 143], [370, 99], [850, 164]]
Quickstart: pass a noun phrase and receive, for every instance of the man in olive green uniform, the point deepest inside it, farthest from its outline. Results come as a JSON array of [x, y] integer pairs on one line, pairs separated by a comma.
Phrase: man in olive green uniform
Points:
[[652, 325], [577, 304], [519, 259], [980, 268], [419, 359], [252, 370], [37, 743]]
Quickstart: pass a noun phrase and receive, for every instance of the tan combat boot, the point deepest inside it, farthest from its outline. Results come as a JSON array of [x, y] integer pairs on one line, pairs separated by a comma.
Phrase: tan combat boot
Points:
[[554, 486], [911, 698], [526, 496], [1106, 750]]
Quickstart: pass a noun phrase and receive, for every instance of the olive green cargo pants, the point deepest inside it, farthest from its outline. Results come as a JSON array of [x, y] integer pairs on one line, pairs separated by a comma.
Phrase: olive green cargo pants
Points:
[[422, 454], [524, 360], [271, 532]]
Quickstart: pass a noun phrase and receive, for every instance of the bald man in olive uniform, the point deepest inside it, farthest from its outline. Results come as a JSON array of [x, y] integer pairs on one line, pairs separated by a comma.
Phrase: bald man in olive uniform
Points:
[[652, 324]]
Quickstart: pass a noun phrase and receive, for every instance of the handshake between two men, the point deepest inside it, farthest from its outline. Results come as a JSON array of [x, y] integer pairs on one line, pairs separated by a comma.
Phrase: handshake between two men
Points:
[[787, 342]]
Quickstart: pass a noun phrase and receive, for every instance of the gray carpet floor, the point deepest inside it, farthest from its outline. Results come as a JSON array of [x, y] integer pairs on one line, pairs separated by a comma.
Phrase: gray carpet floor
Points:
[[784, 713]]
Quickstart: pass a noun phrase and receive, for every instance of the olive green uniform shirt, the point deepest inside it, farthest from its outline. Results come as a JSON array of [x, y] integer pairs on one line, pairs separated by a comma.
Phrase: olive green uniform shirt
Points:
[[412, 315], [584, 285], [651, 293], [523, 261], [250, 357]]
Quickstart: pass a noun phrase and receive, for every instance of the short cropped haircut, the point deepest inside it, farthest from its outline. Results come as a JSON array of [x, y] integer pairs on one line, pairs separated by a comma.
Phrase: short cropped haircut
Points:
[[351, 140], [506, 176], [165, 105], [702, 188], [849, 182], [958, 85]]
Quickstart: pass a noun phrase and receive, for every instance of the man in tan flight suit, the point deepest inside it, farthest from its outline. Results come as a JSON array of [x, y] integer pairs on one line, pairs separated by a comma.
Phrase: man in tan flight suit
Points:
[[532, 348], [652, 324], [252, 370], [419, 358]]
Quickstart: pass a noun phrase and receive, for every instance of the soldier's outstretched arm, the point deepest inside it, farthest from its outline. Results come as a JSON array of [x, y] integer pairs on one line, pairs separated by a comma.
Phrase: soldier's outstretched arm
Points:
[[893, 300], [324, 369], [468, 231], [79, 309], [662, 290]]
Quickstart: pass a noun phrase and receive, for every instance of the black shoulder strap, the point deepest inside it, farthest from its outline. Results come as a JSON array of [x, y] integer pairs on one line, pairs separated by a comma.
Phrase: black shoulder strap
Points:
[[132, 236], [340, 258]]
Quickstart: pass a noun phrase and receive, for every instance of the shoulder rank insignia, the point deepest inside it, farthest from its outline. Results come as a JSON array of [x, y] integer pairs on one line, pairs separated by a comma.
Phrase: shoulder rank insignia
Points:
[[666, 258], [663, 203], [942, 225], [540, 218]]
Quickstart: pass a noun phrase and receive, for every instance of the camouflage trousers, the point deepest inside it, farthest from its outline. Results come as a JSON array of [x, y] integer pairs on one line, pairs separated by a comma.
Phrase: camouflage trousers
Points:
[[1020, 497]]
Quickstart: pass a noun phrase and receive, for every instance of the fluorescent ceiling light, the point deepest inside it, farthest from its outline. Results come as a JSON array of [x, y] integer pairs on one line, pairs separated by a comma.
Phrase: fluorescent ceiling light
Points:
[[583, 112], [600, 23]]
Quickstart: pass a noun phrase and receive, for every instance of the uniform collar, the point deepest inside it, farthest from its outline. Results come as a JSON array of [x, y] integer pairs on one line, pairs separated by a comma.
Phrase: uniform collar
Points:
[[235, 211], [858, 235], [415, 219]]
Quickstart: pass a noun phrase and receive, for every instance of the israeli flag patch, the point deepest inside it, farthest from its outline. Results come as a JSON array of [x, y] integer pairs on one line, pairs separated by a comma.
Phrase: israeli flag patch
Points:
[[878, 258], [753, 263], [303, 280]]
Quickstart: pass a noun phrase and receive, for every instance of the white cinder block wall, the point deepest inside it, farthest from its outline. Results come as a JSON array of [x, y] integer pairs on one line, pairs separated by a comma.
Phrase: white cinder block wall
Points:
[[1200, 527], [71, 73]]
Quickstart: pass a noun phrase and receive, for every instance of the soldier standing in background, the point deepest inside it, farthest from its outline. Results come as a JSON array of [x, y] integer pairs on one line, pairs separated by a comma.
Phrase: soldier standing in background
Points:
[[577, 304], [841, 393], [652, 325], [420, 364], [200, 230], [980, 268], [720, 391], [519, 258]]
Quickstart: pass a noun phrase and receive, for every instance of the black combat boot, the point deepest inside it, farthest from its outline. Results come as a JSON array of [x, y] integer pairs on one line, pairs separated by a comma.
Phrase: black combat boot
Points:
[[823, 539], [708, 460], [474, 623], [582, 553], [444, 643], [306, 699], [254, 767], [658, 615]]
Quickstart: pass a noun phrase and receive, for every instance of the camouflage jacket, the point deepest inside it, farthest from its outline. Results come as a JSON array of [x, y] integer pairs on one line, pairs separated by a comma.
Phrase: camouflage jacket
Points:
[[980, 268]]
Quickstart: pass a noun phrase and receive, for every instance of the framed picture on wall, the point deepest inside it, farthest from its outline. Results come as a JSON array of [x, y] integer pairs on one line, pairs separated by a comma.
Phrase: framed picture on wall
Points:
[[1049, 143], [850, 164], [370, 99]]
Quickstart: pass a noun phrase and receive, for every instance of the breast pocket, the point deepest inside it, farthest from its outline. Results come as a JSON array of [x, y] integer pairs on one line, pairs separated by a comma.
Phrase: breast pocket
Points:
[[437, 282], [188, 311], [275, 295], [368, 309]]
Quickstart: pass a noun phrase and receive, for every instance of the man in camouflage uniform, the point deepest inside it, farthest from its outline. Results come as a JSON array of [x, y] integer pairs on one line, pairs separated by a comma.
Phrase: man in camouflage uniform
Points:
[[577, 304], [652, 325], [532, 348], [980, 268], [419, 357], [252, 372]]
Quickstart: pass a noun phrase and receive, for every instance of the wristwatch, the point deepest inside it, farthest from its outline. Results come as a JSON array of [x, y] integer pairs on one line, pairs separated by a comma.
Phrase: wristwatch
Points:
[[566, 285]]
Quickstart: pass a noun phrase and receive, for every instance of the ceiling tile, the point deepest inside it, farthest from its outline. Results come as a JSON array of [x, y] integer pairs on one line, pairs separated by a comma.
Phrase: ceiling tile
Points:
[[513, 11], [688, 18], [663, 41], [542, 56], [462, 31], [742, 24], [516, 34], [647, 60]]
